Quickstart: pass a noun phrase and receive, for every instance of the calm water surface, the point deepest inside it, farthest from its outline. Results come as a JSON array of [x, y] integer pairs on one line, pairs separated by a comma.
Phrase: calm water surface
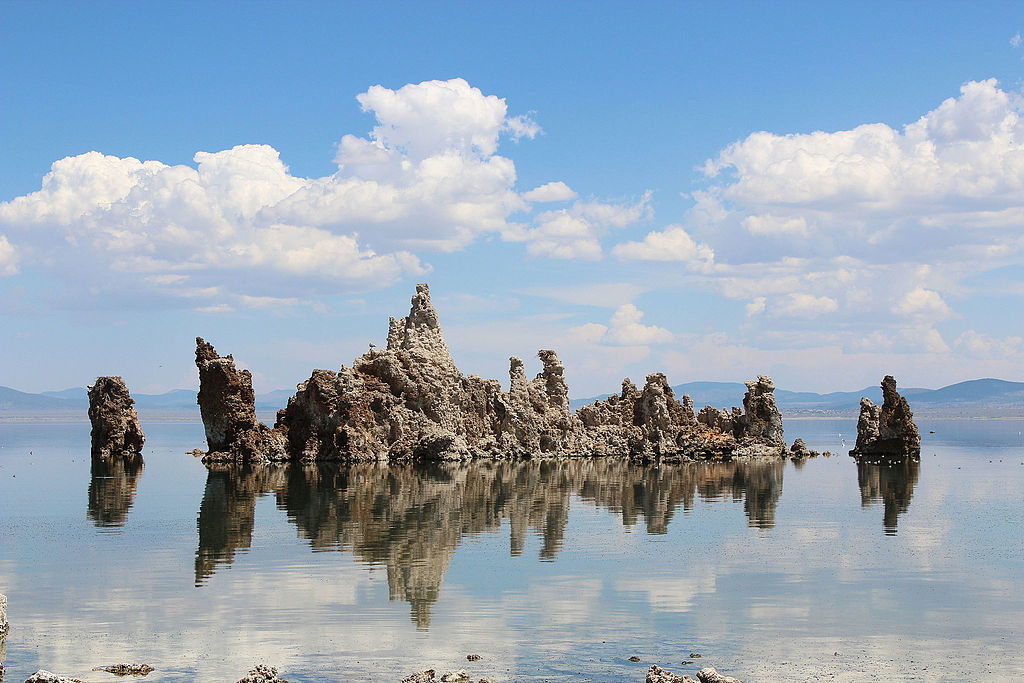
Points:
[[550, 570]]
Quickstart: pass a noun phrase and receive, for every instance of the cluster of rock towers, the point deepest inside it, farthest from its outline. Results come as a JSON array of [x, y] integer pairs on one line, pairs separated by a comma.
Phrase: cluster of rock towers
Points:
[[410, 402]]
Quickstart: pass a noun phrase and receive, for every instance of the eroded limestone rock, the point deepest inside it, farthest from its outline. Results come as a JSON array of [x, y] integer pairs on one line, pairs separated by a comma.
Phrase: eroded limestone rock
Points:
[[227, 404], [410, 402], [115, 424], [4, 626], [44, 676], [658, 675], [710, 675], [762, 419], [262, 674], [887, 431]]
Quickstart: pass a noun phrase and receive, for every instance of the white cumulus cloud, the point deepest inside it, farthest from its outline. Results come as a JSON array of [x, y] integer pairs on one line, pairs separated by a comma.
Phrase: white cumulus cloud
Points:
[[623, 329], [555, 191], [427, 177], [8, 258], [671, 244]]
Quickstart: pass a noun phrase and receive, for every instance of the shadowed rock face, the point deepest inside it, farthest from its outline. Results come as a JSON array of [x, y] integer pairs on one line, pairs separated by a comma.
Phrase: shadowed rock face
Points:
[[409, 402], [887, 431], [228, 407], [115, 424]]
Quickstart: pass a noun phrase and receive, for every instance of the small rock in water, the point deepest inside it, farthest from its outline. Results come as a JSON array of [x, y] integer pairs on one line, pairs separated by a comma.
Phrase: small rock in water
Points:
[[473, 658], [421, 677], [262, 674], [710, 675], [694, 655], [127, 669], [459, 676], [44, 676], [488, 680], [658, 675], [634, 658]]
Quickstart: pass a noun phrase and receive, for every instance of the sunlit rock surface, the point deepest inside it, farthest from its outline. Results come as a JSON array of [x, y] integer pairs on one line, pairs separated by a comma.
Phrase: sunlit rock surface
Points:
[[887, 431], [116, 431], [410, 402]]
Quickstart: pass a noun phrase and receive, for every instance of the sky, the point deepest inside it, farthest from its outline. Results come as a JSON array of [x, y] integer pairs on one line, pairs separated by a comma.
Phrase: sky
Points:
[[825, 193]]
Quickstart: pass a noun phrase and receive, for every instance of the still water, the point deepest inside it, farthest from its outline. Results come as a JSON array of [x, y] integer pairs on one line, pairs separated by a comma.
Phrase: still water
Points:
[[550, 570]]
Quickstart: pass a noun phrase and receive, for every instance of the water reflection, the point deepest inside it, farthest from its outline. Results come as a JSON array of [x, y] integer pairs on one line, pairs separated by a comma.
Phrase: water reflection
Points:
[[891, 482], [112, 490], [410, 518]]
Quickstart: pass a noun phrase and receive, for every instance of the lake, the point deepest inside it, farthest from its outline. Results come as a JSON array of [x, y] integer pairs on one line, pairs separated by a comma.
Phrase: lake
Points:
[[550, 570]]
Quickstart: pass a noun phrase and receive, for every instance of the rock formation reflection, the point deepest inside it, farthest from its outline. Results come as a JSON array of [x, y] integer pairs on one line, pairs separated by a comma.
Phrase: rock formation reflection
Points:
[[411, 518], [891, 482], [112, 490]]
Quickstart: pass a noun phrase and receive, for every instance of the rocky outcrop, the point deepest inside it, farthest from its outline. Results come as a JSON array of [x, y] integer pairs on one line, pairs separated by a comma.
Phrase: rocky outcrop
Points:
[[710, 675], [4, 626], [228, 407], [762, 420], [410, 402], [887, 431], [44, 676], [658, 675], [115, 424], [262, 674]]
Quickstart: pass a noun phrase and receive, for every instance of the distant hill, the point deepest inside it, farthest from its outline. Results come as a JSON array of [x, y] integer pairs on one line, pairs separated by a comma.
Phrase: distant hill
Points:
[[74, 401], [974, 398]]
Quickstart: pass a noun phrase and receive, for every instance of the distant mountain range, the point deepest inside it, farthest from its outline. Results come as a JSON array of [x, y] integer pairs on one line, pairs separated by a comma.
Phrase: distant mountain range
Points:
[[74, 400], [974, 398]]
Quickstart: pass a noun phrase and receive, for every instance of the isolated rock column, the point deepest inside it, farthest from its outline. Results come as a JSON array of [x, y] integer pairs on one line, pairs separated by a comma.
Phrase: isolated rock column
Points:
[[889, 430], [115, 424]]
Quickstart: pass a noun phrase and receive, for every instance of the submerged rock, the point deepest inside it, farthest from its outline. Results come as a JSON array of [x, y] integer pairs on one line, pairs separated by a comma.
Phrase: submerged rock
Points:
[[710, 675], [127, 669], [227, 404], [658, 675], [410, 402], [887, 431], [115, 424]]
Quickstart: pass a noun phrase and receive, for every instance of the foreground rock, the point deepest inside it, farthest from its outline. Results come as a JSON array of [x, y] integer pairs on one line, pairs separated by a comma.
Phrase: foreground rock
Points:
[[115, 424], [410, 402], [710, 675], [658, 675], [887, 431], [44, 676], [127, 669], [262, 674], [3, 615], [430, 676]]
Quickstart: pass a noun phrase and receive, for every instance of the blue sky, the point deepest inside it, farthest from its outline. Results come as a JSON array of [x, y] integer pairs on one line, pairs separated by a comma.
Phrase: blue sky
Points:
[[822, 193]]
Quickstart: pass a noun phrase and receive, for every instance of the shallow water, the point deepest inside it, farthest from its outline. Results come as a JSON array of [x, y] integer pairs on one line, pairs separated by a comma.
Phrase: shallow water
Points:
[[550, 570]]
